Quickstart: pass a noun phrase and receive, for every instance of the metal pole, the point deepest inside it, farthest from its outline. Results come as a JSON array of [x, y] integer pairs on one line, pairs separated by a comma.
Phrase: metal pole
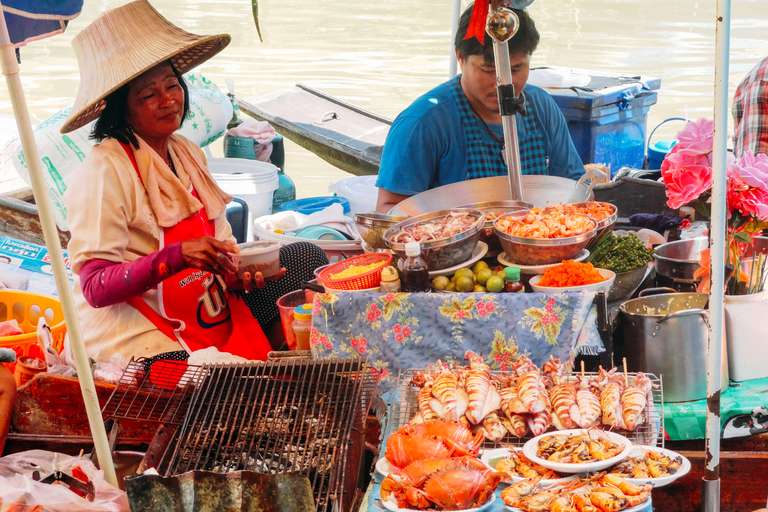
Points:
[[452, 63], [11, 71], [711, 497]]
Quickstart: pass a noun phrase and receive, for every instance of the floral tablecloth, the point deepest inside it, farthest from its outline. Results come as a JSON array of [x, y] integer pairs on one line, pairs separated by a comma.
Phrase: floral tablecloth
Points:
[[399, 331]]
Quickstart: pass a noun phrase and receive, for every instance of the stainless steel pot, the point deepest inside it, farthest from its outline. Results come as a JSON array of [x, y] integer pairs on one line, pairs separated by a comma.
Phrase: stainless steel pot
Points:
[[677, 261], [667, 335], [541, 191]]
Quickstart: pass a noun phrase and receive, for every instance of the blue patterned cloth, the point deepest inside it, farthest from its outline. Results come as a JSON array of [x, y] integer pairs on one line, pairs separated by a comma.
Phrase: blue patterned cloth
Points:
[[400, 331]]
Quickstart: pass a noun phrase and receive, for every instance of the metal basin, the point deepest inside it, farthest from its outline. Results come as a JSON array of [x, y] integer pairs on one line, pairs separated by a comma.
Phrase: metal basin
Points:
[[677, 261], [541, 191], [492, 211]]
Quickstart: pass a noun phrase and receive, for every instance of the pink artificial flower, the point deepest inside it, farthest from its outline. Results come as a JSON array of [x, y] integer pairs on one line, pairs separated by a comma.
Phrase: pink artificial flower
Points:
[[697, 136], [755, 203], [751, 169], [686, 175]]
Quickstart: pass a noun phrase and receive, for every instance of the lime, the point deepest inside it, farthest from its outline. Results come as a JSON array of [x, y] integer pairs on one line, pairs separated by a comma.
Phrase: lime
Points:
[[478, 288], [440, 282], [500, 273], [482, 276], [477, 267], [495, 284], [465, 284], [450, 287], [465, 272]]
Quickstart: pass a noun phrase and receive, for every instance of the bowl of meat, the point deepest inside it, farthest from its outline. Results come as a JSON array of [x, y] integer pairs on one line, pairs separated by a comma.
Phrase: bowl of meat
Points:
[[541, 237], [447, 237]]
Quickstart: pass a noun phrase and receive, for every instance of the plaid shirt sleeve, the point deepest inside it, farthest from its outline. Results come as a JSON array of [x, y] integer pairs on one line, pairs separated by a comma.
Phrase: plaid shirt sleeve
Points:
[[750, 111]]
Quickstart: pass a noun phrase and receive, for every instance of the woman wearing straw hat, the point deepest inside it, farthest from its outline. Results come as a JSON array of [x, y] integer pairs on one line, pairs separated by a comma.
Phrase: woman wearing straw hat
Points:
[[150, 239]]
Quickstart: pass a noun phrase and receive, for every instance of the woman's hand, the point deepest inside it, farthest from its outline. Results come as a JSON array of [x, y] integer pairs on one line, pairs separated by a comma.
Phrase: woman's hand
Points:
[[248, 281], [207, 253]]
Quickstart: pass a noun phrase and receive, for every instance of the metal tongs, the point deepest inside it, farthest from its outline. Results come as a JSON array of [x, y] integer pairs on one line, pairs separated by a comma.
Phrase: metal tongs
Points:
[[84, 489]]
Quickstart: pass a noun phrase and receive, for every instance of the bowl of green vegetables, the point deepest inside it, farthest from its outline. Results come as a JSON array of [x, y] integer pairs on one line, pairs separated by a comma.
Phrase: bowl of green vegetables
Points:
[[628, 257]]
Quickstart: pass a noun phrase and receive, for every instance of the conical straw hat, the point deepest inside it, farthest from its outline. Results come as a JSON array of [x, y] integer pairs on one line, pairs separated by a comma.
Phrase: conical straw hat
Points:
[[123, 43]]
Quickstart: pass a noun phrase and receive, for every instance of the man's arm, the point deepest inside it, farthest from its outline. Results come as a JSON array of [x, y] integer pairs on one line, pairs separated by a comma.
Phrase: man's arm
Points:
[[386, 200]]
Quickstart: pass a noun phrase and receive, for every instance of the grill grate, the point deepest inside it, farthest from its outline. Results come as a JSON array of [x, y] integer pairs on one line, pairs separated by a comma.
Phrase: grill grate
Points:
[[404, 406], [159, 395], [279, 416]]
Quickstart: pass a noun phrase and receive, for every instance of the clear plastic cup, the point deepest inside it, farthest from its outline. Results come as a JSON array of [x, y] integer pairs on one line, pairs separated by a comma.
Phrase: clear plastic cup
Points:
[[286, 304]]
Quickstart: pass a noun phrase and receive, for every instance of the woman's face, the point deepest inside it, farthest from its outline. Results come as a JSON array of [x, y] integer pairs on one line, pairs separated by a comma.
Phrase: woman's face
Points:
[[155, 103]]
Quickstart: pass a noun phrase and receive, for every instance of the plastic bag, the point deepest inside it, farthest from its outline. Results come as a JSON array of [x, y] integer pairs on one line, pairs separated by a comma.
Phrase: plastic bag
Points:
[[17, 485], [61, 154]]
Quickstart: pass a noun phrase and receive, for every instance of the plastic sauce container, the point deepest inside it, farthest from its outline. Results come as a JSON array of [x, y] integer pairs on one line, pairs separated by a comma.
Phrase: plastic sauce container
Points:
[[302, 324], [259, 256]]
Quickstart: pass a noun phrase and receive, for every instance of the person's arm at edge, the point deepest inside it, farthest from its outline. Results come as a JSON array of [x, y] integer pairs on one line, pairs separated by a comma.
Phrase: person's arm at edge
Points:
[[754, 122], [386, 200]]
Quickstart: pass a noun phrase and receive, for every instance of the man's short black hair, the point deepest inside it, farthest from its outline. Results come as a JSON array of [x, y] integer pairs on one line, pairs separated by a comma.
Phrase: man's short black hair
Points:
[[525, 40], [112, 122]]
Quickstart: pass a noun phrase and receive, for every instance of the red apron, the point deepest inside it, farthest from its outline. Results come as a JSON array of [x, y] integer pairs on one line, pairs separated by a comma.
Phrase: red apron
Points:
[[196, 307]]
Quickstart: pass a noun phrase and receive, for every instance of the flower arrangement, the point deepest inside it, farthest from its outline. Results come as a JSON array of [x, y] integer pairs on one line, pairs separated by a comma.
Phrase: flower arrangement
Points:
[[687, 174]]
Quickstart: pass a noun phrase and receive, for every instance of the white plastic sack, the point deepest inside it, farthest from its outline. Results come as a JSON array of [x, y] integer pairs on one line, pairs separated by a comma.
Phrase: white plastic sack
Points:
[[17, 485], [61, 154]]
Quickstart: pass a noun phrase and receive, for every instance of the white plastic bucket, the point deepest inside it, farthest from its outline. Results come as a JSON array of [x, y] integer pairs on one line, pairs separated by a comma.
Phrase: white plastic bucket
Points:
[[746, 322], [360, 191], [252, 181]]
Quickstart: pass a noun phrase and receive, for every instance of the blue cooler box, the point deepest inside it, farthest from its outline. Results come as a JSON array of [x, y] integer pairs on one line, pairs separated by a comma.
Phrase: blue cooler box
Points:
[[607, 118]]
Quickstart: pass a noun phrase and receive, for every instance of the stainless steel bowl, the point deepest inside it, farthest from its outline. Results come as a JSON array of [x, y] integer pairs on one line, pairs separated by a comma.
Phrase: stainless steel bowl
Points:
[[372, 226], [626, 283], [604, 225], [487, 234], [541, 251], [445, 252]]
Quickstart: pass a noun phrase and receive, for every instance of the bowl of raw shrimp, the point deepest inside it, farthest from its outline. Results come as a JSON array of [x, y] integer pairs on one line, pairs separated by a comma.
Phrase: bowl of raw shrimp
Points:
[[541, 237]]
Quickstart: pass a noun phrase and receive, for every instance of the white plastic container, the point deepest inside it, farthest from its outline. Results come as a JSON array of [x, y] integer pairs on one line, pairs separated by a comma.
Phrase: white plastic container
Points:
[[259, 256], [252, 181], [360, 191], [336, 250], [746, 322]]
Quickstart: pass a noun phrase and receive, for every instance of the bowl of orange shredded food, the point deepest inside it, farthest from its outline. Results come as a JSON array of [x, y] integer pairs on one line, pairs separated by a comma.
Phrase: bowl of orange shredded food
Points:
[[571, 276], [542, 237]]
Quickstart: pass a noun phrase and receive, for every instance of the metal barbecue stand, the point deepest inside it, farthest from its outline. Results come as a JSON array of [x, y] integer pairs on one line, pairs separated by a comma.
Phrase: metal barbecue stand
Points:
[[285, 415]]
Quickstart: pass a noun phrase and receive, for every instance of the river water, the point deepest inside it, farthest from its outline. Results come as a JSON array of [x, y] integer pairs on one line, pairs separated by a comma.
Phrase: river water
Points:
[[381, 55]]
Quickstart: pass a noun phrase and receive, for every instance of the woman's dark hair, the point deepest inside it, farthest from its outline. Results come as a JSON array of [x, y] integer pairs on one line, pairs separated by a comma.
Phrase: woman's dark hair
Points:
[[525, 40], [112, 122]]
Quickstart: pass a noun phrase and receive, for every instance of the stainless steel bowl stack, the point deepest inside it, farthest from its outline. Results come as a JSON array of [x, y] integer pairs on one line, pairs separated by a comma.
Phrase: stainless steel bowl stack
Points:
[[444, 252], [487, 234], [541, 251], [372, 226]]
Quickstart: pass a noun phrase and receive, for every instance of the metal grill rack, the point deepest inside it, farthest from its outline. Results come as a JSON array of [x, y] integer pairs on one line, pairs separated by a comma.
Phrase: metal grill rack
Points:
[[158, 393], [404, 406]]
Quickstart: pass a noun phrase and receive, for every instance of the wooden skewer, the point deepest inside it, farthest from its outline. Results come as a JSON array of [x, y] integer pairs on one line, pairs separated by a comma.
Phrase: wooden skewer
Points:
[[626, 379], [582, 369]]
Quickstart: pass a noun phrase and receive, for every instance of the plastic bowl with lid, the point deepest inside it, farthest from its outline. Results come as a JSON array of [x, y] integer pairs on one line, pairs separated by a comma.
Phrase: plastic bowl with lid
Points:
[[373, 225], [442, 252], [258, 256], [492, 211], [542, 251]]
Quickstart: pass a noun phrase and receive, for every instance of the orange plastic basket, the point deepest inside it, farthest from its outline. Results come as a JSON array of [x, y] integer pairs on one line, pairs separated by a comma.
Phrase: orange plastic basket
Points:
[[27, 308], [370, 279]]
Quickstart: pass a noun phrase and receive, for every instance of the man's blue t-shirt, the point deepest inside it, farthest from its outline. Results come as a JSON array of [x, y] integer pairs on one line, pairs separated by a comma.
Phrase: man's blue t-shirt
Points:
[[426, 146]]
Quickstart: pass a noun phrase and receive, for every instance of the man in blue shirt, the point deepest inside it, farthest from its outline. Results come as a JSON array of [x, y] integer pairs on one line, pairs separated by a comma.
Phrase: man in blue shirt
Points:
[[454, 132]]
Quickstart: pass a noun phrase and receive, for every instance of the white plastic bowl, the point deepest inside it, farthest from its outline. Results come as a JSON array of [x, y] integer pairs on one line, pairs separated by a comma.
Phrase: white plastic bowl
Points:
[[531, 447], [685, 467], [602, 286]]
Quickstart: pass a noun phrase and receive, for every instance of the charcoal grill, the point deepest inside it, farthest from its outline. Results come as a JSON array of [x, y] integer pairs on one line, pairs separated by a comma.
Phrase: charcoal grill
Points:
[[285, 415], [404, 406]]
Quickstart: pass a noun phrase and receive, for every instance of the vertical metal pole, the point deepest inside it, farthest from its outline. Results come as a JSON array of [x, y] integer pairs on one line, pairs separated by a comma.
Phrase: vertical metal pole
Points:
[[711, 501], [452, 63], [88, 389], [509, 123]]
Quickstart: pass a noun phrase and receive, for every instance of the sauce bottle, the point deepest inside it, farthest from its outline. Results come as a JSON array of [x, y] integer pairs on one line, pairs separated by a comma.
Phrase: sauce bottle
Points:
[[512, 282], [390, 280], [415, 271], [302, 324]]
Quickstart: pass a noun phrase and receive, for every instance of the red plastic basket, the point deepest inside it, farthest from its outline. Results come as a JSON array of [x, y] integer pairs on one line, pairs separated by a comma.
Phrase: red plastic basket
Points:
[[370, 279]]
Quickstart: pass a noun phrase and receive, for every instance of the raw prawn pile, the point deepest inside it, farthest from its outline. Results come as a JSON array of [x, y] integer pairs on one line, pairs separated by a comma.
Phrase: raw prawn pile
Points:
[[651, 464], [591, 446], [429, 231], [598, 211], [600, 493], [549, 223], [528, 399]]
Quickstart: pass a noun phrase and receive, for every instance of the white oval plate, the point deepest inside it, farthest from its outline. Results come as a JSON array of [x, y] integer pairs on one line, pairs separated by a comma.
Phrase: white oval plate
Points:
[[392, 505], [480, 249], [664, 480], [492, 457], [646, 506], [529, 449], [383, 466], [536, 269]]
